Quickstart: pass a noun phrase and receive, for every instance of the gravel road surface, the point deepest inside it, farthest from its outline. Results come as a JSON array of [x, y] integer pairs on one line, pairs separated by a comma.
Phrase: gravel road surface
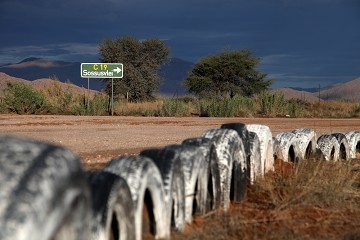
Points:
[[97, 139]]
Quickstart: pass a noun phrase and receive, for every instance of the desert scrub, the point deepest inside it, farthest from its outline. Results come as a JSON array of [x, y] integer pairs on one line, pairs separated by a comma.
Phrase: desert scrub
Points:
[[173, 107], [60, 101], [315, 183], [272, 104], [98, 105], [297, 108], [23, 99], [310, 200], [238, 106], [334, 109]]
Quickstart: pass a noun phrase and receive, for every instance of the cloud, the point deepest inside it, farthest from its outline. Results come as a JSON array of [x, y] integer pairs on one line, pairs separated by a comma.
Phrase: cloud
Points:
[[36, 63], [297, 40], [63, 51], [276, 58]]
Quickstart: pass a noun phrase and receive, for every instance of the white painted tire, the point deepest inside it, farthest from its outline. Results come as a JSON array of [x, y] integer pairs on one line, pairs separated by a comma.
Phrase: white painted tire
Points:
[[195, 171], [266, 146], [142, 176], [213, 174], [171, 169], [289, 145], [354, 143], [254, 162], [307, 142], [328, 147], [43, 190], [344, 148], [113, 208], [251, 143], [230, 155]]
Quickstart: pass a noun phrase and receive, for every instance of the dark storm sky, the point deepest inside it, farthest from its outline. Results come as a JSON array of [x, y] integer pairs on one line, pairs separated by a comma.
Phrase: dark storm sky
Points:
[[302, 43]]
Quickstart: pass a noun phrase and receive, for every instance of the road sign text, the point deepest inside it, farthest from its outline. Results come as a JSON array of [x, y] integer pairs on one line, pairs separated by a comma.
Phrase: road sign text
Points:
[[101, 70]]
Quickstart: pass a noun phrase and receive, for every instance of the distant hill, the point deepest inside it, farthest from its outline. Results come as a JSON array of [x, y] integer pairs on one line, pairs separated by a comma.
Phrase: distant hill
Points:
[[347, 91], [41, 84], [311, 90], [290, 93], [36, 68], [4, 79]]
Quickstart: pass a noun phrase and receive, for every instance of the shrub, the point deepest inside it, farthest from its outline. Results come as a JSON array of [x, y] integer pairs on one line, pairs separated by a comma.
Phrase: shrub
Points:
[[173, 107], [272, 104], [296, 108], [98, 105], [23, 99], [60, 101], [235, 107]]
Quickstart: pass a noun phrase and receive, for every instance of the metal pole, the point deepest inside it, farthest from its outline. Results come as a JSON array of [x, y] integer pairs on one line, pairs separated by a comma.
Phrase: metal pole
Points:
[[112, 97], [88, 100]]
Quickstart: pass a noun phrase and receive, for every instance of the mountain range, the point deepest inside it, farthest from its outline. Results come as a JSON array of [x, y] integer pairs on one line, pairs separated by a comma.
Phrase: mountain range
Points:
[[343, 91], [172, 73]]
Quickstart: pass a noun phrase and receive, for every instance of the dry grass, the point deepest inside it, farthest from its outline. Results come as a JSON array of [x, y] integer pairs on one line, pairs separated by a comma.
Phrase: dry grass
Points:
[[334, 109], [125, 108], [66, 98], [167, 107], [313, 200]]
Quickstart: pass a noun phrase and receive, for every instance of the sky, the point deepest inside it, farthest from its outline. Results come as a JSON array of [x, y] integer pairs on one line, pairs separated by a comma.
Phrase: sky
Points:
[[301, 43]]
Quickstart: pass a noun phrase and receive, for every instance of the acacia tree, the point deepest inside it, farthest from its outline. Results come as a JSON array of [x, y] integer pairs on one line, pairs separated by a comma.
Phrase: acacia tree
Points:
[[141, 60], [227, 74]]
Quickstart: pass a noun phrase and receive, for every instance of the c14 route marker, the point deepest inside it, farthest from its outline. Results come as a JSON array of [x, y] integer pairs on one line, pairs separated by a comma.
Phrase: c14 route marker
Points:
[[101, 70]]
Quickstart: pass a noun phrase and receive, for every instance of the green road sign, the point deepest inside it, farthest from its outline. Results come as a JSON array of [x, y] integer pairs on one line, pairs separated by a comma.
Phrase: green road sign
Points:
[[101, 70]]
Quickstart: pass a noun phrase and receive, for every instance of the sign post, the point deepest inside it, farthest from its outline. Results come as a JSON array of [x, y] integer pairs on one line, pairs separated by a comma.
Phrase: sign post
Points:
[[102, 70], [112, 97], [88, 100]]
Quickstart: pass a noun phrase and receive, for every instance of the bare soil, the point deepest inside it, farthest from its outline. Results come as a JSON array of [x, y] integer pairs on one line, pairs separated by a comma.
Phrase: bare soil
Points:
[[97, 139]]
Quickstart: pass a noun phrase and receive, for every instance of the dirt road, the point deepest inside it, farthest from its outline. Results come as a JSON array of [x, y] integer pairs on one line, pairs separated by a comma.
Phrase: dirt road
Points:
[[97, 139]]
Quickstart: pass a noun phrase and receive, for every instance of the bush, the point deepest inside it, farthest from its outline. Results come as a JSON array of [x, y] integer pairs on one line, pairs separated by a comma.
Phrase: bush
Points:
[[296, 108], [272, 104], [62, 101], [173, 107], [23, 99], [59, 100], [238, 106], [98, 105]]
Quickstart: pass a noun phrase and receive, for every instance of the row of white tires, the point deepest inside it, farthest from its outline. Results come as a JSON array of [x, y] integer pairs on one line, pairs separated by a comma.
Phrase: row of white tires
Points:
[[46, 195], [302, 144]]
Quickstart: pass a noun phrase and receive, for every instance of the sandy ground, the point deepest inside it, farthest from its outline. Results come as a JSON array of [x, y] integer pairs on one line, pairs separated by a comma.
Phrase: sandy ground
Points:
[[98, 139]]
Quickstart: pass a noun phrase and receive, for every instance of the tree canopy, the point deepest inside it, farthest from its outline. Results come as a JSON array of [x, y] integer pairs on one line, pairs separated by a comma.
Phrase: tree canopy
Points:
[[141, 60], [226, 74]]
